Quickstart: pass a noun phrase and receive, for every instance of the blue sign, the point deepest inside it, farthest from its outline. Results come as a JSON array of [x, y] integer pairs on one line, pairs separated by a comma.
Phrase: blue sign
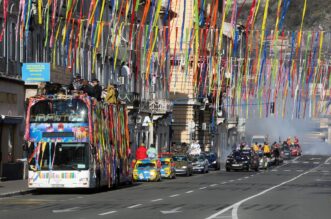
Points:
[[36, 72]]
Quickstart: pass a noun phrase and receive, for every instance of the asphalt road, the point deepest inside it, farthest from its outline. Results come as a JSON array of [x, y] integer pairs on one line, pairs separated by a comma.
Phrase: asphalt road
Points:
[[300, 188]]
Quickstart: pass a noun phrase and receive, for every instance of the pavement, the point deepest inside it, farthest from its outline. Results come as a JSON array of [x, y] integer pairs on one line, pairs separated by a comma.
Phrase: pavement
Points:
[[299, 188], [14, 187]]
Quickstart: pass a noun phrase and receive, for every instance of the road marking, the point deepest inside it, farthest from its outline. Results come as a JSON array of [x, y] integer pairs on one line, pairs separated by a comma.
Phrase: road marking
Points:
[[203, 187], [236, 205], [66, 210], [175, 195], [287, 170], [109, 212], [134, 206], [173, 211], [323, 180], [316, 162], [212, 185], [327, 161], [246, 177], [274, 170], [295, 159], [156, 200], [231, 180], [315, 158], [252, 175], [299, 170], [325, 171], [239, 179], [223, 183], [305, 162], [189, 191]]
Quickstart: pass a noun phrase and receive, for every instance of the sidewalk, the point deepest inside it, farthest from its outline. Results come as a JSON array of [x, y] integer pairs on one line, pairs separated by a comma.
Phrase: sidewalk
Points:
[[14, 187]]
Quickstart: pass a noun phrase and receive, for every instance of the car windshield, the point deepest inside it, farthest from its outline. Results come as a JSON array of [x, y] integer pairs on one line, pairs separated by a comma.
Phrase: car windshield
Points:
[[143, 165], [165, 163], [180, 158], [61, 156]]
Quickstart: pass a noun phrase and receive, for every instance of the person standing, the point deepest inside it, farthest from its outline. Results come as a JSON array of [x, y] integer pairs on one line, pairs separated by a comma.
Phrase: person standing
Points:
[[151, 152], [97, 89], [141, 152]]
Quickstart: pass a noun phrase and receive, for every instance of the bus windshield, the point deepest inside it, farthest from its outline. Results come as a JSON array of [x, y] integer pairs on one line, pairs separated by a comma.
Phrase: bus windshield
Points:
[[69, 110], [62, 156]]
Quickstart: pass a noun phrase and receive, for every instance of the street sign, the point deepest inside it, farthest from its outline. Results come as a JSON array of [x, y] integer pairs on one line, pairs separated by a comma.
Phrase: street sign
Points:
[[36, 72]]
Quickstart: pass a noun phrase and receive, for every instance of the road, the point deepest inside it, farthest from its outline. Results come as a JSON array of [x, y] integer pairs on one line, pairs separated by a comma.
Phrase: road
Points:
[[299, 188]]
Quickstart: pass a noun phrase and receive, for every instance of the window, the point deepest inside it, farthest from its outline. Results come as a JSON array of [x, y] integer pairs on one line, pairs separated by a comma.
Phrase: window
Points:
[[73, 110], [2, 43], [12, 41]]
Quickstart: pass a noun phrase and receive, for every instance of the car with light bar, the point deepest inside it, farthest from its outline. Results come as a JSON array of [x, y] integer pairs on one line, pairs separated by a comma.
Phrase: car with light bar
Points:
[[147, 170], [168, 168]]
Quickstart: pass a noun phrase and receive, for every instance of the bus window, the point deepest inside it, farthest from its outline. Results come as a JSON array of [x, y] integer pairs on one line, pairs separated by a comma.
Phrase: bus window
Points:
[[70, 110]]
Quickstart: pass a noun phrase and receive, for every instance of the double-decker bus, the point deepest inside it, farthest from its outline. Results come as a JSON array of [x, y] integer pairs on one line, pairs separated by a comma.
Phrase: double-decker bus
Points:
[[76, 142]]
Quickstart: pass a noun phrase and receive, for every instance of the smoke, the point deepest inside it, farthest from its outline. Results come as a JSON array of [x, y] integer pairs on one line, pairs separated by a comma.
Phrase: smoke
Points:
[[306, 130]]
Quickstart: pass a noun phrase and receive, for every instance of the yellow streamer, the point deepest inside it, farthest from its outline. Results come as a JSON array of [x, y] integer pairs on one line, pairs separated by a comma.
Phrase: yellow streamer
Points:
[[40, 16]]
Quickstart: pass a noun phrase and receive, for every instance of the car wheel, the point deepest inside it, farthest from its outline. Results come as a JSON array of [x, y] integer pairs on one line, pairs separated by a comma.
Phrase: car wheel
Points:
[[228, 169]]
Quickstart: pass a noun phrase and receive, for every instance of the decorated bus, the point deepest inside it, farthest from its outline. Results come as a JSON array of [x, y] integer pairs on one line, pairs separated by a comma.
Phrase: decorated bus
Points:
[[76, 142]]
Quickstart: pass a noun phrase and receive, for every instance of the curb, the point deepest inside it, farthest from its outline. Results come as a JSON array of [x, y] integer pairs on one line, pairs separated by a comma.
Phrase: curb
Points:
[[16, 193]]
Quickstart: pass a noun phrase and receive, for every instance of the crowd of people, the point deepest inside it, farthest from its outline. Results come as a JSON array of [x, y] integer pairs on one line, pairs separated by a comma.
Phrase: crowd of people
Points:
[[78, 86]]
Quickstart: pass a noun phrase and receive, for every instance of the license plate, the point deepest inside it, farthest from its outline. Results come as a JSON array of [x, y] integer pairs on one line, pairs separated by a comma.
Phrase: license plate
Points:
[[236, 165]]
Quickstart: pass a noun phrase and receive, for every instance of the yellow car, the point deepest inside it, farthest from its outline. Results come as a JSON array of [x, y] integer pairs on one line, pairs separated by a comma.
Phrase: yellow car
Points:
[[168, 168], [146, 170]]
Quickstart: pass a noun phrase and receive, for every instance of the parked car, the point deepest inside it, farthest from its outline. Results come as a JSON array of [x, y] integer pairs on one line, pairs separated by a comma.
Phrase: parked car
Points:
[[183, 165], [213, 161], [200, 163], [242, 160], [168, 168], [146, 170]]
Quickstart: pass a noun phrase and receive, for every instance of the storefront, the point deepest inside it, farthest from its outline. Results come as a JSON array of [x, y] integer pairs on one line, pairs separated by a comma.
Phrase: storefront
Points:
[[11, 126]]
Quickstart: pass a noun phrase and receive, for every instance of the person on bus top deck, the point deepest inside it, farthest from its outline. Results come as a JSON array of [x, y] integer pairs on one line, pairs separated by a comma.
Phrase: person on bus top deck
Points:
[[97, 89], [141, 152], [76, 83], [87, 88], [296, 140], [151, 152]]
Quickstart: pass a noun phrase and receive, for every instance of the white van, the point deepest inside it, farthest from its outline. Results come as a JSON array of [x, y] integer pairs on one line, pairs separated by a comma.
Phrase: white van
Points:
[[259, 139]]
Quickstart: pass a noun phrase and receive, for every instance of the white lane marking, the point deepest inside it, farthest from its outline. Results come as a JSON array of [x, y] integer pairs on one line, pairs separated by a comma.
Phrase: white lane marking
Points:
[[235, 206], [246, 177], [212, 185], [327, 161], [323, 180], [295, 159], [156, 200], [325, 171], [305, 162], [316, 162], [239, 179], [175, 195], [299, 170], [287, 170], [231, 180], [134, 206], [172, 211], [66, 210], [189, 191], [274, 170], [223, 183], [109, 212], [251, 175], [203, 187], [316, 158]]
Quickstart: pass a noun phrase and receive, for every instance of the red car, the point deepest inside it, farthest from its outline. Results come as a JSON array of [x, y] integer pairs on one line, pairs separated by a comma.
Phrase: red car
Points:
[[295, 150]]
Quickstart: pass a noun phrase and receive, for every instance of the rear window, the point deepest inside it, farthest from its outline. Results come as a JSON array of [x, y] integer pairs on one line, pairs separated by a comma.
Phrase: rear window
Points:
[[152, 165]]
